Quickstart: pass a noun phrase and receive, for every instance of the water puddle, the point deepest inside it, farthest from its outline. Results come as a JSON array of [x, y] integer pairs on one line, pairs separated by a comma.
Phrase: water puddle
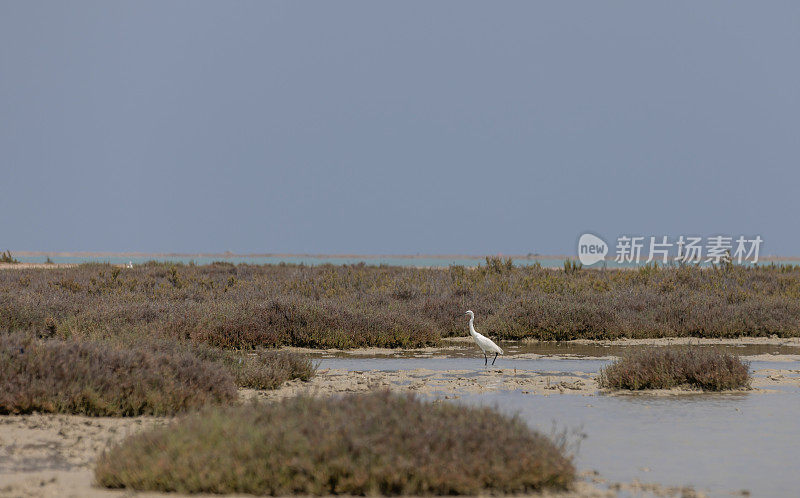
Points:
[[721, 443], [539, 365], [599, 350], [465, 349]]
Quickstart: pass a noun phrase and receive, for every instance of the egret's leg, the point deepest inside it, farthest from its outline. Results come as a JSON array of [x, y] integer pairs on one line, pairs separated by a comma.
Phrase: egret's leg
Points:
[[495, 357], [485, 359]]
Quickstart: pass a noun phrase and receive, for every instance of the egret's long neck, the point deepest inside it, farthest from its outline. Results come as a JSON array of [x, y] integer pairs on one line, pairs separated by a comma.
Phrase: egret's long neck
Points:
[[472, 327]]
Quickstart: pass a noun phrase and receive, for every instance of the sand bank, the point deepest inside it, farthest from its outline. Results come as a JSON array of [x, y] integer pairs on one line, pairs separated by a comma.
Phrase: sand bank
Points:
[[446, 384]]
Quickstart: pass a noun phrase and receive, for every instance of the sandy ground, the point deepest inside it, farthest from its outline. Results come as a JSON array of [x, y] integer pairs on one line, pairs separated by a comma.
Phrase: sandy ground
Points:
[[53, 455], [451, 384], [444, 384]]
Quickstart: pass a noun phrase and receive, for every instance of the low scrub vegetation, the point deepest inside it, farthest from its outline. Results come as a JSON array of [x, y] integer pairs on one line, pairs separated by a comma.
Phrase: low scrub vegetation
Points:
[[378, 443], [126, 375], [6, 257], [96, 379], [258, 369], [268, 369], [244, 307], [665, 368]]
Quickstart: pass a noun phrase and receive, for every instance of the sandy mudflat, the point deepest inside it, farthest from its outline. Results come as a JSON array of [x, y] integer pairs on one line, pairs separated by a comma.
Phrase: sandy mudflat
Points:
[[53, 455], [455, 383], [444, 384]]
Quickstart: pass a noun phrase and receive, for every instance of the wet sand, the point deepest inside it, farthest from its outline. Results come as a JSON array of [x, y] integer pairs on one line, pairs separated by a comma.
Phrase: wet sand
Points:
[[53, 455], [450, 384], [441, 384]]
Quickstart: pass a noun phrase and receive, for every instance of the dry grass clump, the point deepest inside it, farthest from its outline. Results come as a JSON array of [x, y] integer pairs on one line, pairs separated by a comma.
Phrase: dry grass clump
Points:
[[244, 307], [96, 379], [6, 257], [256, 369], [268, 369], [665, 368], [378, 443]]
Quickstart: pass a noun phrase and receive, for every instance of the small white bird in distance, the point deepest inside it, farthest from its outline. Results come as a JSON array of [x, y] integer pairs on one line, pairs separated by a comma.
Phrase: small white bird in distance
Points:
[[129, 265], [483, 342]]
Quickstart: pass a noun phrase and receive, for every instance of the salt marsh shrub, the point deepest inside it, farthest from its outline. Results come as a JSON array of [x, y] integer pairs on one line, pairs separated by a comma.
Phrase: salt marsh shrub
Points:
[[244, 307], [379, 443], [665, 368], [96, 379]]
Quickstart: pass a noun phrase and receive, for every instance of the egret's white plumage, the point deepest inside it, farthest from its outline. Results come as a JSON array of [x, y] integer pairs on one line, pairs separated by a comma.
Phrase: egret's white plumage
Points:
[[483, 342]]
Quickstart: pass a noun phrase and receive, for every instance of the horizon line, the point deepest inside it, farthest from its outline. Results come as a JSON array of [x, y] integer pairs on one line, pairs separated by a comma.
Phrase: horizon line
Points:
[[230, 254]]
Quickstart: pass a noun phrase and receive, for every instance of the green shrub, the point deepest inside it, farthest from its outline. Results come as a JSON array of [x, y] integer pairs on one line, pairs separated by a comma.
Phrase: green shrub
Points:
[[368, 444], [6, 257], [572, 266], [496, 264], [665, 368]]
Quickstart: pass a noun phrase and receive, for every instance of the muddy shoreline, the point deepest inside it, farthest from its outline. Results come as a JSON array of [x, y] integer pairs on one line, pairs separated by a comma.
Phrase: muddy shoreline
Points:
[[749, 349], [53, 455], [450, 384]]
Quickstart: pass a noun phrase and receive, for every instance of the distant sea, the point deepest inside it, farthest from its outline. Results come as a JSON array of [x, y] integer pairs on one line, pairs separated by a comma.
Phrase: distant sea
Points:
[[315, 260]]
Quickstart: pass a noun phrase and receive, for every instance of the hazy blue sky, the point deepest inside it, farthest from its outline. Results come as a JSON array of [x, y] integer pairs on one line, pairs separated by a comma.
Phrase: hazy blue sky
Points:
[[403, 127]]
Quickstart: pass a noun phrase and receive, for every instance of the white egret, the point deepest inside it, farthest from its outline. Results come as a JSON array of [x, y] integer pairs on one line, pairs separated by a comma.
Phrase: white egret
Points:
[[483, 342], [129, 265]]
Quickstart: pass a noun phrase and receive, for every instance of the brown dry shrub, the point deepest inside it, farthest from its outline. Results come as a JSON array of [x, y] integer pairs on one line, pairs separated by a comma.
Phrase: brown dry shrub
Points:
[[665, 368], [358, 305], [99, 380]]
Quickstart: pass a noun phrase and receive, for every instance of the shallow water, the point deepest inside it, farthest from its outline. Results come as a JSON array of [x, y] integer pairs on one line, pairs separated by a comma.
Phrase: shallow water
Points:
[[718, 443], [472, 360], [560, 349], [597, 350], [539, 365]]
